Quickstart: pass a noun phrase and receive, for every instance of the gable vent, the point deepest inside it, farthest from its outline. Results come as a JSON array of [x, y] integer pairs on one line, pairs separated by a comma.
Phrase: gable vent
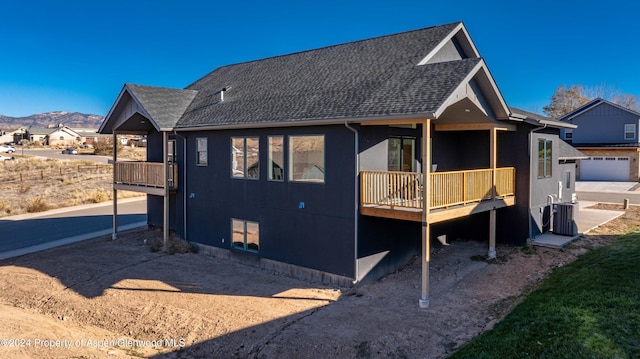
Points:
[[219, 96]]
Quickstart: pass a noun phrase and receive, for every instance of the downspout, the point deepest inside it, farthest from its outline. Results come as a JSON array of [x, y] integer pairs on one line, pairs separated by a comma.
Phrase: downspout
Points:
[[530, 180], [114, 234], [184, 181], [355, 200]]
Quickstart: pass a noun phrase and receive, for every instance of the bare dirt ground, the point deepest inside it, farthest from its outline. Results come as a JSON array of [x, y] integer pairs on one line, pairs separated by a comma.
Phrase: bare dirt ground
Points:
[[117, 299]]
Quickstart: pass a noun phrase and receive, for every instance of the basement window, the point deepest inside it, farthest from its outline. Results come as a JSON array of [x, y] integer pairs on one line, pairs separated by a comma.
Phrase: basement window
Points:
[[545, 163], [245, 235]]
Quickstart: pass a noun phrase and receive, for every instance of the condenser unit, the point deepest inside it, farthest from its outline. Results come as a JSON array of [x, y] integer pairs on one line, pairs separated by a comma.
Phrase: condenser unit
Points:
[[565, 216]]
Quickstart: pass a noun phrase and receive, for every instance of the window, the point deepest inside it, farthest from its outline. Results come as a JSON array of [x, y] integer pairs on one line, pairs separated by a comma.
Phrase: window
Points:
[[544, 157], [245, 235], [568, 134], [245, 154], [306, 158], [201, 151], [276, 158], [568, 179], [171, 151], [630, 131], [401, 154]]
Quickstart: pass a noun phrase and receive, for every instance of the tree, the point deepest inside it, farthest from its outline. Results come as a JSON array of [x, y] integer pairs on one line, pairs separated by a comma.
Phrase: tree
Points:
[[565, 100]]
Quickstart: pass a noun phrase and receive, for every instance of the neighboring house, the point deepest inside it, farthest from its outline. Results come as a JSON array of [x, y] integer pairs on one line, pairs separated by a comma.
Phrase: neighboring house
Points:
[[322, 162], [608, 133], [12, 137], [54, 136]]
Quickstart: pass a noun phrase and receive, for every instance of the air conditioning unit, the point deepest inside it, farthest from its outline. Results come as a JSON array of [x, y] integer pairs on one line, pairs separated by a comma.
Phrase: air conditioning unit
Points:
[[565, 216]]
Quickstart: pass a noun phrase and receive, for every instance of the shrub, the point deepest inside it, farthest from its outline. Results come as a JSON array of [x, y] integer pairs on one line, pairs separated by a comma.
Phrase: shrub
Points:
[[174, 245], [98, 196], [105, 146], [36, 204]]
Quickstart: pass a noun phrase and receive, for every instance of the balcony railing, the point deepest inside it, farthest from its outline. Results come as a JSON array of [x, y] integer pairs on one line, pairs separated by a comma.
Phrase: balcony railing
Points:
[[405, 189], [146, 174]]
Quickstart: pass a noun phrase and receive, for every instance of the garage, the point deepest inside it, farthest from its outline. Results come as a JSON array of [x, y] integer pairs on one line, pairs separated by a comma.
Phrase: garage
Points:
[[604, 169]]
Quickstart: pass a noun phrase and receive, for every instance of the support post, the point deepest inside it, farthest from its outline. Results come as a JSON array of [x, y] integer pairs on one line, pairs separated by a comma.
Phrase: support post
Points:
[[165, 164], [492, 214], [426, 195], [114, 234]]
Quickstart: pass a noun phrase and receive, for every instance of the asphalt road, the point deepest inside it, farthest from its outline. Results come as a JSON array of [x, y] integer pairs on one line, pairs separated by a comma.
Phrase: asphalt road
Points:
[[57, 154], [20, 233]]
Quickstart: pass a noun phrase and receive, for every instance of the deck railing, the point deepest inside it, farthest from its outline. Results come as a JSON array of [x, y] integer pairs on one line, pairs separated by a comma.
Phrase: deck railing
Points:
[[147, 174], [404, 189]]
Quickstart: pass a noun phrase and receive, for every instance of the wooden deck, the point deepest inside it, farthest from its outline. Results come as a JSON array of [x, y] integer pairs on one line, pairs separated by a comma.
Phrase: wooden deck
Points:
[[454, 194], [147, 177]]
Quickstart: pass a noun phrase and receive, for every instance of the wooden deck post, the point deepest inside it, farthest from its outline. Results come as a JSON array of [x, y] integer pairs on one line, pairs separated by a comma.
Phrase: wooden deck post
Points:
[[114, 234], [426, 196], [165, 164], [492, 214]]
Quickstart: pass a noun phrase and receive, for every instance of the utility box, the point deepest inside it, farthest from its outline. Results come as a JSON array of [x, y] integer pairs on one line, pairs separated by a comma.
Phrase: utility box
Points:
[[565, 217]]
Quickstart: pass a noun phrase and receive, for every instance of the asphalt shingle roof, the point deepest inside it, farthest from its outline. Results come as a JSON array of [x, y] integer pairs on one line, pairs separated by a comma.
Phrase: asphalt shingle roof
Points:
[[567, 152], [367, 78], [164, 105]]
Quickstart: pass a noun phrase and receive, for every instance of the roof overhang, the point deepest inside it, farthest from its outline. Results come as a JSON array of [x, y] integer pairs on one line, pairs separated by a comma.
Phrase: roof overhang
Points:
[[127, 115], [488, 89], [514, 116], [363, 121]]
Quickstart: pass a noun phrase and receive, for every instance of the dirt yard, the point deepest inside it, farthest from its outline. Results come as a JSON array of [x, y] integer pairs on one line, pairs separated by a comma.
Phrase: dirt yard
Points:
[[117, 299]]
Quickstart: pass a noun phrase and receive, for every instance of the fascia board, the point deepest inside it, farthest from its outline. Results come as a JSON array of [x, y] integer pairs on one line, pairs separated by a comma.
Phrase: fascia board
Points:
[[418, 118], [444, 41], [481, 66]]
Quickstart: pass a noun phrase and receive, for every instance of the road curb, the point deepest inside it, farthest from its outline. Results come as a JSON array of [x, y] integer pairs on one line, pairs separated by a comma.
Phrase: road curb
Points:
[[20, 217], [65, 241]]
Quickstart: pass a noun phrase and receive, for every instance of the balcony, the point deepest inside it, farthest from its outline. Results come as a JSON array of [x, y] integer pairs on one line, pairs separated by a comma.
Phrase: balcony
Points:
[[147, 177], [454, 194]]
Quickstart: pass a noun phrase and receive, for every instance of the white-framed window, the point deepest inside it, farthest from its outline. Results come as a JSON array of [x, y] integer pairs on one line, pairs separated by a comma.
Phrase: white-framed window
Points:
[[201, 151], [245, 155], [630, 131], [568, 134], [276, 158], [545, 162], [245, 235], [306, 158]]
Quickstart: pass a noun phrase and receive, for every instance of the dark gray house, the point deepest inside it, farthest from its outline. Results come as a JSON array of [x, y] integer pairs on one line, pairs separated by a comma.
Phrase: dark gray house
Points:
[[608, 134], [341, 162]]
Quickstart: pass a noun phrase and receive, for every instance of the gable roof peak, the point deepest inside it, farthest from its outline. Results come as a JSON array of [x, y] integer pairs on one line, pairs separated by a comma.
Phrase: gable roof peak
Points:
[[591, 104]]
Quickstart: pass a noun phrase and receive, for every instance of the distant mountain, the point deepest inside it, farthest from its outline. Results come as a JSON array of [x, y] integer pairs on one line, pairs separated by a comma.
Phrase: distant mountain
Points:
[[71, 119]]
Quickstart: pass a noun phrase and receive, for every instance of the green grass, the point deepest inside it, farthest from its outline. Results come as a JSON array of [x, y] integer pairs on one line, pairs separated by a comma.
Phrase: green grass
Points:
[[587, 309]]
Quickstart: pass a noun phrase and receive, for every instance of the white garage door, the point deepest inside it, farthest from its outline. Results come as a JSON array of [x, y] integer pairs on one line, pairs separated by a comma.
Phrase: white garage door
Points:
[[605, 169]]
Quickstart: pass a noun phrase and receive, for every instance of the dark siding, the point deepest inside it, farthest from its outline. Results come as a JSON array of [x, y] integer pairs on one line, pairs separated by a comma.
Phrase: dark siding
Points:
[[604, 124], [155, 204], [460, 150], [318, 236], [395, 241], [512, 223]]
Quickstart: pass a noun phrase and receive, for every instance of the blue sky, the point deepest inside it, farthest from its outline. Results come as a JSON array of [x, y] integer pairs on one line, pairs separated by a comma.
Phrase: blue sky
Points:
[[70, 55]]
